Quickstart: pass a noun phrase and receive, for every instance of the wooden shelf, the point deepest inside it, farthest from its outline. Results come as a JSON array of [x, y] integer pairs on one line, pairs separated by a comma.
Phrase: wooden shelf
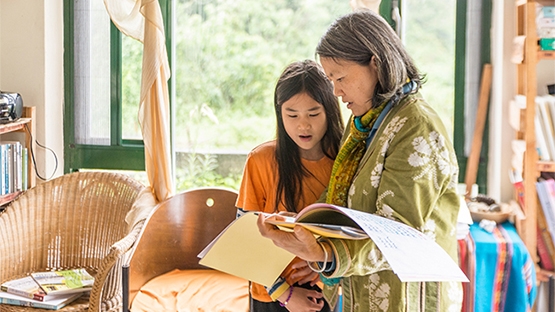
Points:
[[546, 55], [527, 85], [542, 2], [26, 124], [14, 126], [546, 166]]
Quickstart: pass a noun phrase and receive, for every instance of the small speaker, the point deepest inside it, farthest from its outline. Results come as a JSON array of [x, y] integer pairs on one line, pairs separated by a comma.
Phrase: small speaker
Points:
[[11, 107]]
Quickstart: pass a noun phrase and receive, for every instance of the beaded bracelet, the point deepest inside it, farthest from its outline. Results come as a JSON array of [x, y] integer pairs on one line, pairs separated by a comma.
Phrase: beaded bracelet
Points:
[[283, 304]]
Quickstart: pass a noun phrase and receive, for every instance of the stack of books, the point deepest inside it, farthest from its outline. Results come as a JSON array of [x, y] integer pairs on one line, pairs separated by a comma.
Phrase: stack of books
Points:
[[47, 290]]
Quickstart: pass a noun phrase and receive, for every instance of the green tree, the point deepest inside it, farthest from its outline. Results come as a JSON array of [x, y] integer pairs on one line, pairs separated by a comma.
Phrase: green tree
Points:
[[229, 56]]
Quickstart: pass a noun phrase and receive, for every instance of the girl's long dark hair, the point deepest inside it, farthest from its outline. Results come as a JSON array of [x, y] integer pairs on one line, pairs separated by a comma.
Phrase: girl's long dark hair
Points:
[[302, 77]]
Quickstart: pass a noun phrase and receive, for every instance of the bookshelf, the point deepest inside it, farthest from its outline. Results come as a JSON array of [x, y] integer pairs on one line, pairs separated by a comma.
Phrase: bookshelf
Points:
[[527, 86], [26, 125]]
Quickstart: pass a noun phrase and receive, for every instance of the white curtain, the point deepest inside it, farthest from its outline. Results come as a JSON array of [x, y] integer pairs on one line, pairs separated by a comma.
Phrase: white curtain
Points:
[[142, 20]]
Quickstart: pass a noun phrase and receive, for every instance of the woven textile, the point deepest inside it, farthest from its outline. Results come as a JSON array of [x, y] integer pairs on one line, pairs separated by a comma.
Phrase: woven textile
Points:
[[504, 277]]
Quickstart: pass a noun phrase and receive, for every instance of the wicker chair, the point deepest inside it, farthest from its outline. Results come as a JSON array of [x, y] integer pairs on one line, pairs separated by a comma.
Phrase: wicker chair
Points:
[[76, 220]]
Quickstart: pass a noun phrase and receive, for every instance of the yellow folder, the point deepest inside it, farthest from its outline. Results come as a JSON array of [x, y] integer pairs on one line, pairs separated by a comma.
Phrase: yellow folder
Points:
[[242, 251]]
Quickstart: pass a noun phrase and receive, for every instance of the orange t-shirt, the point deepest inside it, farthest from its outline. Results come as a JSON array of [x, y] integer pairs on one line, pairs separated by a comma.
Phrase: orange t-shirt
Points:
[[259, 190]]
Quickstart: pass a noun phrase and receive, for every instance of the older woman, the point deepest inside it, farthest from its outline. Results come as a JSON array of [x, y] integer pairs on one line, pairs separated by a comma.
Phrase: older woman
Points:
[[396, 161]]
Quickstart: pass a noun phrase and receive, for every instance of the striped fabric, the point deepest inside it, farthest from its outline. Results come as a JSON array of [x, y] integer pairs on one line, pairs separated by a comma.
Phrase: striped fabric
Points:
[[500, 269], [503, 268], [467, 265]]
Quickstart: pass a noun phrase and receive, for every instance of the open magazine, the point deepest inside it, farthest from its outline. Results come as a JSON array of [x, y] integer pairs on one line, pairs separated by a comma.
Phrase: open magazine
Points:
[[321, 222], [412, 255]]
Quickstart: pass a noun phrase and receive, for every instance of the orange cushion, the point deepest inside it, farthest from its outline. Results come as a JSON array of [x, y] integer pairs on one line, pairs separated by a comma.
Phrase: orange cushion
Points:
[[193, 290]]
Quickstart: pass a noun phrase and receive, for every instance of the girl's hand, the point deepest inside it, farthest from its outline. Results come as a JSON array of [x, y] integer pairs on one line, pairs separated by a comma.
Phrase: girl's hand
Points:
[[300, 242], [303, 274], [303, 300]]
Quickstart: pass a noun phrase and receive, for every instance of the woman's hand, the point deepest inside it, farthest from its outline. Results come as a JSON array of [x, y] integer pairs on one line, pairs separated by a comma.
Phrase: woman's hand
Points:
[[300, 242], [303, 300]]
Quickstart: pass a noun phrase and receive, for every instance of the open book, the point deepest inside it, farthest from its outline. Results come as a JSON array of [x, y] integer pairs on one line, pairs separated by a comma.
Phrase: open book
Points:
[[242, 251], [321, 221]]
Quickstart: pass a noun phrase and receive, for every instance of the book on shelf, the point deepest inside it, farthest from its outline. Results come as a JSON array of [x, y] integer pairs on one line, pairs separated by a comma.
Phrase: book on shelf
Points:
[[11, 167], [541, 143], [53, 302], [546, 249], [546, 206], [544, 111], [4, 169], [550, 103], [412, 255], [64, 282], [24, 168]]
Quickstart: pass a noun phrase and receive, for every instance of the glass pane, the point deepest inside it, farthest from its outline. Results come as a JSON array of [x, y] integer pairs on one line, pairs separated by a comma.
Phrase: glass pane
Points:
[[229, 55], [92, 73], [132, 59], [429, 35]]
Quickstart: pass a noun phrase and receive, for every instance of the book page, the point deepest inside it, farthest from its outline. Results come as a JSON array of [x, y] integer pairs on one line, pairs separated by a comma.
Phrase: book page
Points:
[[412, 255], [319, 229], [242, 251]]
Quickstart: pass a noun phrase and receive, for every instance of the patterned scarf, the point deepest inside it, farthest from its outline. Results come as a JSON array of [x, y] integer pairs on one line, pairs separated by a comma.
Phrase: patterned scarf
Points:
[[349, 156]]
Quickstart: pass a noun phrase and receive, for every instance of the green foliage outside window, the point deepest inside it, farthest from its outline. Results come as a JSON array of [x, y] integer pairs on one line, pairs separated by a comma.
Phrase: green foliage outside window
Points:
[[228, 55]]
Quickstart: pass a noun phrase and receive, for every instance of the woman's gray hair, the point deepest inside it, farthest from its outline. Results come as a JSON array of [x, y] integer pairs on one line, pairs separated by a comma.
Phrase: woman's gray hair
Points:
[[363, 34]]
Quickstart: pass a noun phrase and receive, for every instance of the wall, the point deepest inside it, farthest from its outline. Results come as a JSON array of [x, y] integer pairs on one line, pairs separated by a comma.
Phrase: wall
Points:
[[502, 91], [31, 63]]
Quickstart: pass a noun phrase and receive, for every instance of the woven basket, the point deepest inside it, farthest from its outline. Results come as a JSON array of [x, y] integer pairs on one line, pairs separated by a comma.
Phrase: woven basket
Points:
[[74, 221]]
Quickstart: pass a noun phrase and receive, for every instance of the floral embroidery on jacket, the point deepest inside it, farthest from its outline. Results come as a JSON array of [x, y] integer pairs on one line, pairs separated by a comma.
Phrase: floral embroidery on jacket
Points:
[[432, 156], [382, 209], [455, 293], [376, 175], [389, 133], [429, 229], [379, 294]]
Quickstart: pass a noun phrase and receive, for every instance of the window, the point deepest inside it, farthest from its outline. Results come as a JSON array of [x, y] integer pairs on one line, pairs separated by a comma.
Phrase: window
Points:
[[225, 57], [93, 93]]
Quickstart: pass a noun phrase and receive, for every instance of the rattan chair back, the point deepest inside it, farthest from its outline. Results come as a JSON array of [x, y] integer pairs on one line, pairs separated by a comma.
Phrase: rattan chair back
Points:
[[73, 221]]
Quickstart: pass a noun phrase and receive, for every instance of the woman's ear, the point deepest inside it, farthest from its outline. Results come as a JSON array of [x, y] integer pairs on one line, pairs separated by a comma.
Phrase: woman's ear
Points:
[[373, 63]]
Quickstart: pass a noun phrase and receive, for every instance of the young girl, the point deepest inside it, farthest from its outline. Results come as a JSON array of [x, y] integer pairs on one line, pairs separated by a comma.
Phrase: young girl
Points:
[[291, 172]]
